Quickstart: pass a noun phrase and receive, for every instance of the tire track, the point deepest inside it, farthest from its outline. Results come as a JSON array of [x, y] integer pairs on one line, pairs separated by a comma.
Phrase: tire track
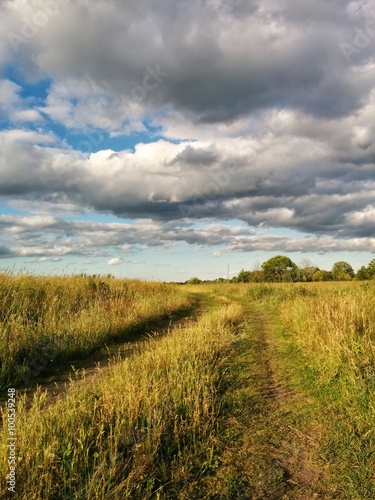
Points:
[[103, 360], [294, 452], [266, 452]]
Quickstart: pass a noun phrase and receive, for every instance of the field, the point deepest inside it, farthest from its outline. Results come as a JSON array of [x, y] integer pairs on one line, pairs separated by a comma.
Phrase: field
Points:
[[224, 391]]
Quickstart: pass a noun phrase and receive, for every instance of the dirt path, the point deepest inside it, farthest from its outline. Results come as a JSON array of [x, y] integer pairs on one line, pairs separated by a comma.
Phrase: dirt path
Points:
[[266, 449], [294, 452]]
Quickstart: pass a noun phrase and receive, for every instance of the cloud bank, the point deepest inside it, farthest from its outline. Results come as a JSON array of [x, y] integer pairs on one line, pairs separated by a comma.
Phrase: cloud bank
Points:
[[258, 112]]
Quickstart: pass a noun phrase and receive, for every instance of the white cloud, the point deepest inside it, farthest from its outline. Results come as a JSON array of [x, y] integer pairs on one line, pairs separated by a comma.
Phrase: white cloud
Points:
[[9, 93], [26, 115], [116, 261]]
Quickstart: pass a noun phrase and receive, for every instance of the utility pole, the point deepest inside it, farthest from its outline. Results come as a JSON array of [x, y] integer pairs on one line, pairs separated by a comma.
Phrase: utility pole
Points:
[[228, 273]]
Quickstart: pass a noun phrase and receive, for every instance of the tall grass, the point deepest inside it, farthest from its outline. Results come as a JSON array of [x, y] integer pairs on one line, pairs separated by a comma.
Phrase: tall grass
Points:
[[335, 331], [271, 293], [135, 430], [59, 317], [332, 335]]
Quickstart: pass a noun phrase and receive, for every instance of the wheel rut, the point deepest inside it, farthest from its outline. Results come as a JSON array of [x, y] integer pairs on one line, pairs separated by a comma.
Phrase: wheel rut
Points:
[[89, 367], [293, 452], [267, 452]]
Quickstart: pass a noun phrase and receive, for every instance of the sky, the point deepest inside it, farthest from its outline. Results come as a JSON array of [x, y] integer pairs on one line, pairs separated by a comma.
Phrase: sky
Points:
[[165, 139]]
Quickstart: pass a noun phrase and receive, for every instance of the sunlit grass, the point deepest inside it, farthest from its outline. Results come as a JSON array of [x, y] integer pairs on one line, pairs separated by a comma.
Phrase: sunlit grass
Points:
[[53, 318], [135, 428], [330, 342], [148, 428]]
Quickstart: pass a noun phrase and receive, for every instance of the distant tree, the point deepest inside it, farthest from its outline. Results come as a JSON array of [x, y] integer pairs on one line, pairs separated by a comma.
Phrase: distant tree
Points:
[[193, 281], [280, 268], [220, 280], [362, 274], [342, 271], [244, 276], [305, 263], [322, 275], [371, 269], [308, 272], [257, 276]]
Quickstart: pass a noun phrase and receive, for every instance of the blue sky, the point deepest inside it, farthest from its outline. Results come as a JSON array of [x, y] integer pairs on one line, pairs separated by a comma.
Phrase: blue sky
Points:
[[173, 139]]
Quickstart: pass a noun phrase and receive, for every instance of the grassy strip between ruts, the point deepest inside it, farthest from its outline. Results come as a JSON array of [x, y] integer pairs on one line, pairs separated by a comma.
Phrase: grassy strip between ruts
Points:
[[142, 429], [266, 446]]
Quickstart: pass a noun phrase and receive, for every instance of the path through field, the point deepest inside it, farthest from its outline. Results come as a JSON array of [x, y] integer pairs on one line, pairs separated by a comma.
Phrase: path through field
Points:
[[57, 380], [262, 448], [265, 452]]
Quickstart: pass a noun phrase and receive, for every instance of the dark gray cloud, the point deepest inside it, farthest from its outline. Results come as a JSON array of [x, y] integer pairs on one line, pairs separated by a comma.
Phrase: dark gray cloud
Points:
[[201, 58], [4, 252], [197, 156]]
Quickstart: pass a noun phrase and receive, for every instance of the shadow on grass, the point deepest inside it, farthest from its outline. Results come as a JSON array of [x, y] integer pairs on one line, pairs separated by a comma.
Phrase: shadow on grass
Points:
[[48, 366]]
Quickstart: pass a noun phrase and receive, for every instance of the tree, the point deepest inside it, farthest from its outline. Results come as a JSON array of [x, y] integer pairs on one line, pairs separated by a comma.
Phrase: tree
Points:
[[257, 276], [308, 272], [342, 271], [322, 275], [362, 274], [280, 268], [244, 276], [193, 281], [371, 269]]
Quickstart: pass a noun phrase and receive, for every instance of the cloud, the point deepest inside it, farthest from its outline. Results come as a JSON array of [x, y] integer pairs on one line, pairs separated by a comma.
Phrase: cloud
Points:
[[212, 63], [8, 93], [304, 177], [26, 237], [13, 106], [5, 252], [263, 112], [310, 176], [116, 261], [26, 115], [44, 259]]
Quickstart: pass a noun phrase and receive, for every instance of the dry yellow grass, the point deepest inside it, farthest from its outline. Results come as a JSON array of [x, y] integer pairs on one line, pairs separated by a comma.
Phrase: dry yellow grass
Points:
[[334, 327], [57, 317], [135, 428]]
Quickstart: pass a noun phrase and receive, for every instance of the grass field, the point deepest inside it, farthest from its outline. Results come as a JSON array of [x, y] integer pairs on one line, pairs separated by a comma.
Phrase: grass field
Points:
[[45, 320], [266, 391]]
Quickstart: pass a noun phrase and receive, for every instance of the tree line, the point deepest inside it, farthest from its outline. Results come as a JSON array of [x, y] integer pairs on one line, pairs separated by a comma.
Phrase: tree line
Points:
[[281, 269]]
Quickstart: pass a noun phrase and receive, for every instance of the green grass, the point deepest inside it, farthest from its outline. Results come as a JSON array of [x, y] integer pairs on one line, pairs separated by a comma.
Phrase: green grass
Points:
[[262, 450], [321, 353], [329, 342]]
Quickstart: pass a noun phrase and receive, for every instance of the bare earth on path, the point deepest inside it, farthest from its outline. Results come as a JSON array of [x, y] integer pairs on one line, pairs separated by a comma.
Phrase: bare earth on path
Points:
[[265, 450]]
